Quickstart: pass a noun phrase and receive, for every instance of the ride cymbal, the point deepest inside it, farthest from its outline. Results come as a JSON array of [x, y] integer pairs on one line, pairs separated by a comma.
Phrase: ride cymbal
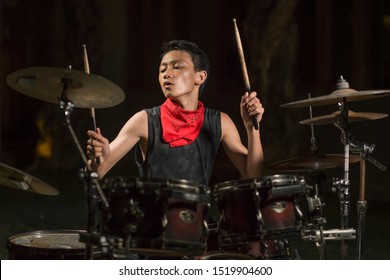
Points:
[[313, 162], [338, 96], [13, 178], [83, 90], [352, 117]]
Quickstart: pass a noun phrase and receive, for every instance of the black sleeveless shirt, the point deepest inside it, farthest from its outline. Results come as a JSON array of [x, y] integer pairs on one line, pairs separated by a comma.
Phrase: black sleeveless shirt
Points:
[[193, 162]]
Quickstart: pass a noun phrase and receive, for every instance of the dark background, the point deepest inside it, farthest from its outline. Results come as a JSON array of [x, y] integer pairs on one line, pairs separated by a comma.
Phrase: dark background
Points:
[[292, 48]]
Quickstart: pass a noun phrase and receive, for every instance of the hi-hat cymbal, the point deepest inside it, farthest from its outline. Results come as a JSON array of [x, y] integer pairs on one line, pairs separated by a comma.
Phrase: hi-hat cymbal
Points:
[[352, 117], [83, 90], [313, 162], [338, 96], [13, 178]]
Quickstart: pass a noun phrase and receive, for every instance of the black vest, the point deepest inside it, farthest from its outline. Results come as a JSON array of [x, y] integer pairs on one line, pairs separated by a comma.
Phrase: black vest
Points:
[[193, 162]]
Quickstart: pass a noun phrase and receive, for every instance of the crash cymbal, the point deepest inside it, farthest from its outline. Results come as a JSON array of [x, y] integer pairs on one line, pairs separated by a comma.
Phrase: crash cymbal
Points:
[[13, 178], [313, 162], [84, 90], [337, 96], [352, 117]]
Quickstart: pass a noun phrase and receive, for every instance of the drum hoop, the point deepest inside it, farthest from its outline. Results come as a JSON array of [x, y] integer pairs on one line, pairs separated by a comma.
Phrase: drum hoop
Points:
[[265, 181], [285, 184], [236, 185], [282, 179], [163, 188], [176, 185], [226, 256]]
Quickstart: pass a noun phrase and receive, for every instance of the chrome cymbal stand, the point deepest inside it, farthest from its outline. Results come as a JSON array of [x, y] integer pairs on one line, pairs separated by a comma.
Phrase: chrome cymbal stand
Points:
[[94, 191], [314, 203], [364, 150], [342, 186]]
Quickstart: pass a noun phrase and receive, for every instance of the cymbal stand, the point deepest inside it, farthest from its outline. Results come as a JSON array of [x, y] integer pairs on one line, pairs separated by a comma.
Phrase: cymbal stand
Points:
[[315, 204], [90, 179], [314, 147], [342, 186], [363, 149]]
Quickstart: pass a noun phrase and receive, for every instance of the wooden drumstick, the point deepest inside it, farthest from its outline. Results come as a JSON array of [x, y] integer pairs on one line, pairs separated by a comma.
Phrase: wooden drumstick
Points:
[[86, 70], [243, 66]]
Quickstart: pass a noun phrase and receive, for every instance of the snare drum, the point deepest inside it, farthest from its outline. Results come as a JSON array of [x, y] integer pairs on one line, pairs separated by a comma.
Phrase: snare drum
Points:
[[261, 208], [46, 245], [156, 216]]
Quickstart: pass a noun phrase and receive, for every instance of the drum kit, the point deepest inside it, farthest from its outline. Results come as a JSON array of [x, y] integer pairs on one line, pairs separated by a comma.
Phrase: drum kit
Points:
[[164, 218]]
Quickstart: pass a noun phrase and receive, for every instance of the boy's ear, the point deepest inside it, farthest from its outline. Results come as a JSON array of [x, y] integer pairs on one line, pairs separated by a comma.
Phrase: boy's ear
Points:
[[201, 77]]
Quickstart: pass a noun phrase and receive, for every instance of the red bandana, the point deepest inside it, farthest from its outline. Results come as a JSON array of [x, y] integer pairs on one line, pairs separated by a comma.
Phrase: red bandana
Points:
[[180, 127]]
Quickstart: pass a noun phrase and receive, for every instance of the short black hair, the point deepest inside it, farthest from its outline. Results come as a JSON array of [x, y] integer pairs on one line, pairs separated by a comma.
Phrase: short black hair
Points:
[[199, 57]]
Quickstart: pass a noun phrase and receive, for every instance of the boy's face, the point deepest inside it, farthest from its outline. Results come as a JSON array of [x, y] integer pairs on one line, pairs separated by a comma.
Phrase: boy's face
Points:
[[177, 76]]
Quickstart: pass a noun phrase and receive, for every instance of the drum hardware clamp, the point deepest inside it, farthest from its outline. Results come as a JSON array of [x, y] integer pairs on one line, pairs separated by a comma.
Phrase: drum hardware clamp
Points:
[[330, 234]]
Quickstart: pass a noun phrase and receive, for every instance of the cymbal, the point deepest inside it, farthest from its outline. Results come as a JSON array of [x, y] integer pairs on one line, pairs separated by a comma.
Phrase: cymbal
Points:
[[313, 162], [84, 90], [338, 96], [13, 178], [352, 117]]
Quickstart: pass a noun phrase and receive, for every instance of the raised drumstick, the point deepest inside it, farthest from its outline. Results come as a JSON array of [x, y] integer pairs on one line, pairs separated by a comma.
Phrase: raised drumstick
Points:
[[243, 66], [86, 70]]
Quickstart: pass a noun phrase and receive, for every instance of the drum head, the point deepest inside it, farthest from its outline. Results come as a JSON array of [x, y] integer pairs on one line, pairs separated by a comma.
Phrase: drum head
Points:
[[46, 244]]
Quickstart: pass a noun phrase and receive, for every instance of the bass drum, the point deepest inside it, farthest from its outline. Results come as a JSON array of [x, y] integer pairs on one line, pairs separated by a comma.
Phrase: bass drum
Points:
[[46, 245]]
